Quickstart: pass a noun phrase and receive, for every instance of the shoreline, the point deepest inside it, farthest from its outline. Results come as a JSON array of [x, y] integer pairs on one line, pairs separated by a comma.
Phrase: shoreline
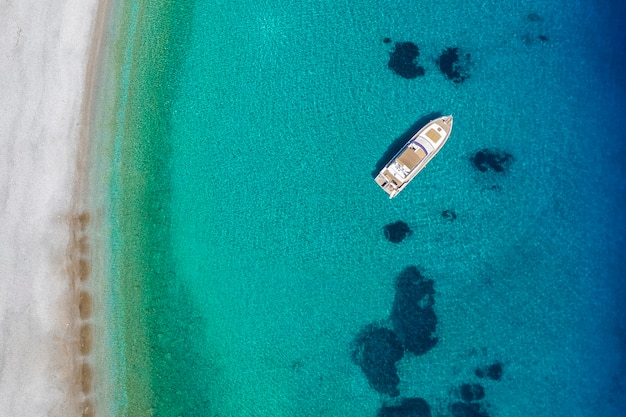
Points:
[[82, 236], [49, 314], [85, 224]]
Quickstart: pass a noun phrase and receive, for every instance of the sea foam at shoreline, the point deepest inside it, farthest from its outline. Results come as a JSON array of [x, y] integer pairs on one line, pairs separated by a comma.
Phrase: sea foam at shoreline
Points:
[[45, 53]]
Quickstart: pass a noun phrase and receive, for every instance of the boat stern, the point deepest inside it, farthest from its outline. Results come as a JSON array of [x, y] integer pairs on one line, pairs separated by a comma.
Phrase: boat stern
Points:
[[387, 183]]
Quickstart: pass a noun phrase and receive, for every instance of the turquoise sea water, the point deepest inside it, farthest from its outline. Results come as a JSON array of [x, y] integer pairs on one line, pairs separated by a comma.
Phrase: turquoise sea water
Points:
[[271, 256]]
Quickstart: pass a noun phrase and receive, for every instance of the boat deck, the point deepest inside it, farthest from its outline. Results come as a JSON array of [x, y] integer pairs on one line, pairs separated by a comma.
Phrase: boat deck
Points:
[[411, 157]]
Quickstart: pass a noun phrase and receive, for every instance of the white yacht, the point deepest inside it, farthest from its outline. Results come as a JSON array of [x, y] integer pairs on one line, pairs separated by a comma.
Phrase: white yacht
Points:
[[414, 156]]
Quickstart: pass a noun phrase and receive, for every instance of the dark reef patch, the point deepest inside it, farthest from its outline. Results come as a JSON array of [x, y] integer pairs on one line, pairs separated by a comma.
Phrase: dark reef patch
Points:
[[454, 65], [533, 33], [493, 371], [402, 60], [376, 350], [530, 39], [408, 407], [494, 159], [386, 40], [397, 232], [412, 314], [471, 392], [470, 405], [449, 215], [461, 409]]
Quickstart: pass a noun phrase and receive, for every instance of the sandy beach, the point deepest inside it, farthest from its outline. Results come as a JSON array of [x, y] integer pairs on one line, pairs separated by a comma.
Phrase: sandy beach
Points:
[[48, 52]]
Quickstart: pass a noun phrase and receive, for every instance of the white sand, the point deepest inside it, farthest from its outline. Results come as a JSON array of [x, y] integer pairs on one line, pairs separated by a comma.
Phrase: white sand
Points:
[[45, 59]]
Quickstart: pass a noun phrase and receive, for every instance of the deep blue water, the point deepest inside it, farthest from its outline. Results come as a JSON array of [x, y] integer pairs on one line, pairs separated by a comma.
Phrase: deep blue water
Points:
[[280, 115]]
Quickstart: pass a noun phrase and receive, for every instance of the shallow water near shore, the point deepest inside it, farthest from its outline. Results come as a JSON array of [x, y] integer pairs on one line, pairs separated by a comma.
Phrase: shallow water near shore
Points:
[[251, 231]]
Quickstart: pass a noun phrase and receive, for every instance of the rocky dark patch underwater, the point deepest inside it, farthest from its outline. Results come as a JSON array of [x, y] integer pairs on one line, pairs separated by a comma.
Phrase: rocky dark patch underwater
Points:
[[412, 314], [492, 159], [454, 64], [376, 350], [396, 232], [403, 60]]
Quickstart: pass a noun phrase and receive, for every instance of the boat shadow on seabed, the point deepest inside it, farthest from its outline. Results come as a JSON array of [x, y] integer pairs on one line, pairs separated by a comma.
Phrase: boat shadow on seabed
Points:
[[401, 140]]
